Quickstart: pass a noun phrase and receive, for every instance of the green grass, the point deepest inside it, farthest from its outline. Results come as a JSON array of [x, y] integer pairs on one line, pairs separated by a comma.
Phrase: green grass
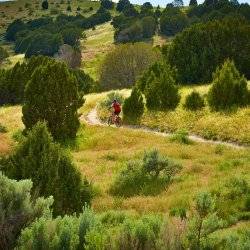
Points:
[[101, 152], [98, 43], [231, 127]]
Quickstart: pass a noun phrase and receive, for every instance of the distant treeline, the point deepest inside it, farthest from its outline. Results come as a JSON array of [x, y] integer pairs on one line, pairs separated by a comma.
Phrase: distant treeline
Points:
[[133, 24], [44, 36]]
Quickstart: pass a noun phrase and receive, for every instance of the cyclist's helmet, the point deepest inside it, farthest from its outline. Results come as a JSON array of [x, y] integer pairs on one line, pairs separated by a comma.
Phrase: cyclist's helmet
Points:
[[114, 100]]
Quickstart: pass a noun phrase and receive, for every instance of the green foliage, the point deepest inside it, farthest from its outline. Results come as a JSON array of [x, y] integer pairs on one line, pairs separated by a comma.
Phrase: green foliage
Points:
[[203, 222], [160, 88], [18, 210], [172, 23], [51, 169], [148, 26], [178, 212], [140, 234], [106, 103], [89, 231], [145, 177], [3, 129], [12, 84], [133, 106], [85, 83], [181, 136], [45, 35], [72, 36], [3, 54], [122, 4], [198, 50], [194, 101], [52, 95], [13, 28], [45, 5], [193, 3], [229, 88], [107, 4], [123, 65]]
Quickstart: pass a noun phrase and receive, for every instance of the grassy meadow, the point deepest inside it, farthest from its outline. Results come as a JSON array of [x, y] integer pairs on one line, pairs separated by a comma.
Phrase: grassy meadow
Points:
[[101, 152], [232, 126]]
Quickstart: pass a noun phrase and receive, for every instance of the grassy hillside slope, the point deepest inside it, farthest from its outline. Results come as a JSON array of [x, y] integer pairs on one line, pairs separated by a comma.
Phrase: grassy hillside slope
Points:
[[100, 152]]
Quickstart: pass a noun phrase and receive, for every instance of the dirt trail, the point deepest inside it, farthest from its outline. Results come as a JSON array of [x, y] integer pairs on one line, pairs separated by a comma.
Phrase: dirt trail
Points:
[[92, 119]]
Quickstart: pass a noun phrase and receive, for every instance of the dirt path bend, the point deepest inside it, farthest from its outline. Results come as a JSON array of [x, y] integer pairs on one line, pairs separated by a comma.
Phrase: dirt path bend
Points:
[[92, 119]]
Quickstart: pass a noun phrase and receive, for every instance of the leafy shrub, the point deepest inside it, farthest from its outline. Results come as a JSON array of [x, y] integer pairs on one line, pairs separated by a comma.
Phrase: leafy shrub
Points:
[[123, 65], [161, 91], [68, 232], [146, 177], [194, 101], [181, 136], [172, 23], [203, 222], [229, 88], [51, 169], [198, 50], [58, 100], [114, 95], [140, 234], [133, 107], [18, 210]]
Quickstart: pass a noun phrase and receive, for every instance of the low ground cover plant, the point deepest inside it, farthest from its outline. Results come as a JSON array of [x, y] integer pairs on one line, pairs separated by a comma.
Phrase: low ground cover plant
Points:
[[147, 176]]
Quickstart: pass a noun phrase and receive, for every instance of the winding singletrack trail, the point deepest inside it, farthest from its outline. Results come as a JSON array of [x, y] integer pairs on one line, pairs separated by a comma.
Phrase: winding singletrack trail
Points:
[[92, 119]]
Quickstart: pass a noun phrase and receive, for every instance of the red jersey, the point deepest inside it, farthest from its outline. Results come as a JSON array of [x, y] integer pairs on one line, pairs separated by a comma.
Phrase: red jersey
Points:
[[116, 106]]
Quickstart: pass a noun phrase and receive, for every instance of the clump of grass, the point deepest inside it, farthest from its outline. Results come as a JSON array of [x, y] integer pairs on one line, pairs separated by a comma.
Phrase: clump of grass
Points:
[[3, 129], [219, 149], [181, 136], [148, 176]]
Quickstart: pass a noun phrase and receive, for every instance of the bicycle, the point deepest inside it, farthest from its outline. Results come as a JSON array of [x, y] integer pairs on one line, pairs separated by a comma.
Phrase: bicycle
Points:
[[115, 119]]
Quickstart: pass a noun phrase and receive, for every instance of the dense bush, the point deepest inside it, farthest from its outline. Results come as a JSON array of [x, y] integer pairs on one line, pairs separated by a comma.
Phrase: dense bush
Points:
[[12, 84], [181, 136], [133, 106], [194, 101], [91, 231], [14, 80], [124, 64], [160, 89], [198, 50], [52, 95], [173, 21], [229, 88], [51, 169], [145, 177], [18, 210], [107, 4]]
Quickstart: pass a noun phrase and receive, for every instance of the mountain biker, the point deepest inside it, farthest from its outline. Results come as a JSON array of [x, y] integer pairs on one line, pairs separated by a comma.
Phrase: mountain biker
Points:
[[116, 106]]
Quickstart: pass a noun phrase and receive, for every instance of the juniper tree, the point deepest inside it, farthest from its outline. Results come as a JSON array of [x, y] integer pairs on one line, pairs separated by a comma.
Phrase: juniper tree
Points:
[[52, 96], [51, 170], [133, 106], [229, 88]]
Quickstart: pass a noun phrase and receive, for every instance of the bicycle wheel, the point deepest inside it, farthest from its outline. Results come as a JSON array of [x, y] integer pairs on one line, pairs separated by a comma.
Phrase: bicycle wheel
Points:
[[109, 121], [118, 122]]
